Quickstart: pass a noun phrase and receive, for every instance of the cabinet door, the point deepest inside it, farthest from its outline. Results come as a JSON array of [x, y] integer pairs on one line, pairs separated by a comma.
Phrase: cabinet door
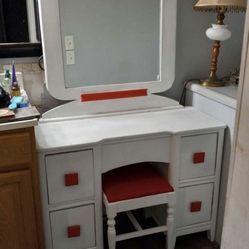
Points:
[[15, 150], [17, 219]]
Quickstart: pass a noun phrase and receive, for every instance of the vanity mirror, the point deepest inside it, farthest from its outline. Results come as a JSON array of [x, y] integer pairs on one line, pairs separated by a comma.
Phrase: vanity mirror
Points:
[[19, 28], [108, 45]]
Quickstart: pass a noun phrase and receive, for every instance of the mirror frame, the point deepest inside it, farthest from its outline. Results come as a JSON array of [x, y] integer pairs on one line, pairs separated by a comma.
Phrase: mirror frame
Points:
[[24, 49], [53, 57]]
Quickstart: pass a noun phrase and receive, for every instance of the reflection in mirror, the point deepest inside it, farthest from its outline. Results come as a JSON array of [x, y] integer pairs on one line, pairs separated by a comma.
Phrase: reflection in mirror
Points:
[[117, 44], [18, 28]]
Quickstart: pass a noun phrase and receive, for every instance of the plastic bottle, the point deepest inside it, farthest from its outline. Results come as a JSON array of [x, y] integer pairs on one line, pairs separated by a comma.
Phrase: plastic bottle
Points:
[[6, 84], [15, 88]]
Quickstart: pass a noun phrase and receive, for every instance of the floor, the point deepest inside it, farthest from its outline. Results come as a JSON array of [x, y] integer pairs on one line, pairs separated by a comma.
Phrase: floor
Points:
[[196, 241], [157, 241]]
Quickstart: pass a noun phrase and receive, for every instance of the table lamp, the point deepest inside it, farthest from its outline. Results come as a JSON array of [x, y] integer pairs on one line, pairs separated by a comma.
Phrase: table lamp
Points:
[[218, 32]]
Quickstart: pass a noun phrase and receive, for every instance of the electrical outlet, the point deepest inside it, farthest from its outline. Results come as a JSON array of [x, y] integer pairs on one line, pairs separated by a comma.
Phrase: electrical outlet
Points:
[[70, 57], [69, 42]]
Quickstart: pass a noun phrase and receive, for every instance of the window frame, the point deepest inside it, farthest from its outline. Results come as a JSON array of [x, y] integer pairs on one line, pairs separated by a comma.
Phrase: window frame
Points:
[[24, 49]]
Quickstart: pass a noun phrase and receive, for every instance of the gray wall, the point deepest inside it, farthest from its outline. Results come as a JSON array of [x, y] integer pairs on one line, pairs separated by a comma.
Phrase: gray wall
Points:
[[193, 48]]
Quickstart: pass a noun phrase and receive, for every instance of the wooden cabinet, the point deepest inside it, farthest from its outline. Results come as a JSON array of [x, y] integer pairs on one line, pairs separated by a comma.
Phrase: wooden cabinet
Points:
[[17, 216], [20, 221]]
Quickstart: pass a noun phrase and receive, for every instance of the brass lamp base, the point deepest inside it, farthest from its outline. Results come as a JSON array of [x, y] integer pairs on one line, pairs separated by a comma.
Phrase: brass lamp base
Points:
[[212, 82]]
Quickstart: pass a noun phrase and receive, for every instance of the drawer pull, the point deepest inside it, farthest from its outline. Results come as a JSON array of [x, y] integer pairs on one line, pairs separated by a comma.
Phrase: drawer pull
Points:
[[73, 231], [71, 179], [199, 157], [195, 206]]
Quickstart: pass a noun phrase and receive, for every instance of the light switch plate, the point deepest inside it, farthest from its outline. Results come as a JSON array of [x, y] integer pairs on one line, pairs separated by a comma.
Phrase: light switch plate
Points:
[[69, 42], [70, 55]]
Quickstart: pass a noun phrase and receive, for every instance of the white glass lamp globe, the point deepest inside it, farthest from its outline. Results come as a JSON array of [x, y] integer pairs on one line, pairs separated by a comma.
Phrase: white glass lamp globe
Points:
[[218, 32]]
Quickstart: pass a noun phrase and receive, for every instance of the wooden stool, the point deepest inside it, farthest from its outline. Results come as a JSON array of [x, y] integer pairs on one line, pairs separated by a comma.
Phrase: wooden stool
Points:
[[132, 187]]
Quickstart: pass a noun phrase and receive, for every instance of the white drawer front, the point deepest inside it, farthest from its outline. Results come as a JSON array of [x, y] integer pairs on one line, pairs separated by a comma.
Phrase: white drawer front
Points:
[[194, 204], [70, 176], [73, 228], [191, 149], [124, 153]]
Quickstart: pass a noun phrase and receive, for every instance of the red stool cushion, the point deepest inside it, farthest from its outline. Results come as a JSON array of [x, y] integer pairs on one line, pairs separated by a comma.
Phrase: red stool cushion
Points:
[[133, 181]]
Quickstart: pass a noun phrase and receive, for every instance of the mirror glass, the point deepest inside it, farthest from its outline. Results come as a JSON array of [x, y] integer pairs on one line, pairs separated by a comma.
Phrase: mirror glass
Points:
[[18, 26], [113, 41], [107, 45]]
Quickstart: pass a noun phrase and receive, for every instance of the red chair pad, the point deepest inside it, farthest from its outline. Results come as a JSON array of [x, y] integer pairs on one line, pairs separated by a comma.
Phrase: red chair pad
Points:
[[133, 181]]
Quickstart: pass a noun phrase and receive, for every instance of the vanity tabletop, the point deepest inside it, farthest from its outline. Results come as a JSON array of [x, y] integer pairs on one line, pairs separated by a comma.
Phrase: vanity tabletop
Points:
[[88, 131], [23, 118]]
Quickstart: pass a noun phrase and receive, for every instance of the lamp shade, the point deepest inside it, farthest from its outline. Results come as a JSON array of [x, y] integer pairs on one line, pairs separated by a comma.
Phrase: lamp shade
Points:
[[212, 5]]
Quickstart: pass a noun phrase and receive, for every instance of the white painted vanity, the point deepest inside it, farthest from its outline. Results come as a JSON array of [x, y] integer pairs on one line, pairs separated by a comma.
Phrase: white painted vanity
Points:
[[90, 146], [79, 141], [220, 103]]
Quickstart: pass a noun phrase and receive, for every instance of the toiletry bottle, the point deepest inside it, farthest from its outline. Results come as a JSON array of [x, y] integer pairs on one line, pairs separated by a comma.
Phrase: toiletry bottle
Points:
[[6, 84], [15, 88]]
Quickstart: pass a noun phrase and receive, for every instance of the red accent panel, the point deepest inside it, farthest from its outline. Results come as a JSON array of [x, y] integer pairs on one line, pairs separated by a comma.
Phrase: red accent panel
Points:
[[199, 157], [73, 231], [134, 181], [113, 95], [195, 206], [71, 179]]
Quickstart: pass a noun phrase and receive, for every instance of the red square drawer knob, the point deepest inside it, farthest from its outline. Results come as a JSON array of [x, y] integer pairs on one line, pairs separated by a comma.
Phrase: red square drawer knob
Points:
[[195, 206], [199, 157], [71, 179], [73, 231]]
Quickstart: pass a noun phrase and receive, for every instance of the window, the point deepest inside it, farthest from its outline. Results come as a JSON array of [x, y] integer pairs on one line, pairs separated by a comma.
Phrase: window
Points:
[[19, 28]]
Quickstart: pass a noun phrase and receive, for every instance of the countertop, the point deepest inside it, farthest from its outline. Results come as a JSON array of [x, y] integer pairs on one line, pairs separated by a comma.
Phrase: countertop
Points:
[[24, 117], [225, 95]]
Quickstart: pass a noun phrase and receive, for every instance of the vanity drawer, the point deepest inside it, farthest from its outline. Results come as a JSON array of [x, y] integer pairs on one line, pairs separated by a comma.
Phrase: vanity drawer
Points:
[[73, 228], [115, 155], [198, 156], [70, 176], [194, 204]]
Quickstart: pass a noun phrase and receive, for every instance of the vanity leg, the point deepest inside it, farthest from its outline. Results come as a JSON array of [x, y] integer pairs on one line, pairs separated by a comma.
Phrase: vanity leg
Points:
[[211, 234], [171, 235]]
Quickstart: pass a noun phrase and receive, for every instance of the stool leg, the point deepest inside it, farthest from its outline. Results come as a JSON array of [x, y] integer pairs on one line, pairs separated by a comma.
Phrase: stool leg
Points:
[[171, 236], [111, 232]]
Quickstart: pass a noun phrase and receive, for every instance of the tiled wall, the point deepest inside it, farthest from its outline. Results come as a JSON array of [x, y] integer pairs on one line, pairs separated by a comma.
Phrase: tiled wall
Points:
[[23, 67], [33, 79]]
